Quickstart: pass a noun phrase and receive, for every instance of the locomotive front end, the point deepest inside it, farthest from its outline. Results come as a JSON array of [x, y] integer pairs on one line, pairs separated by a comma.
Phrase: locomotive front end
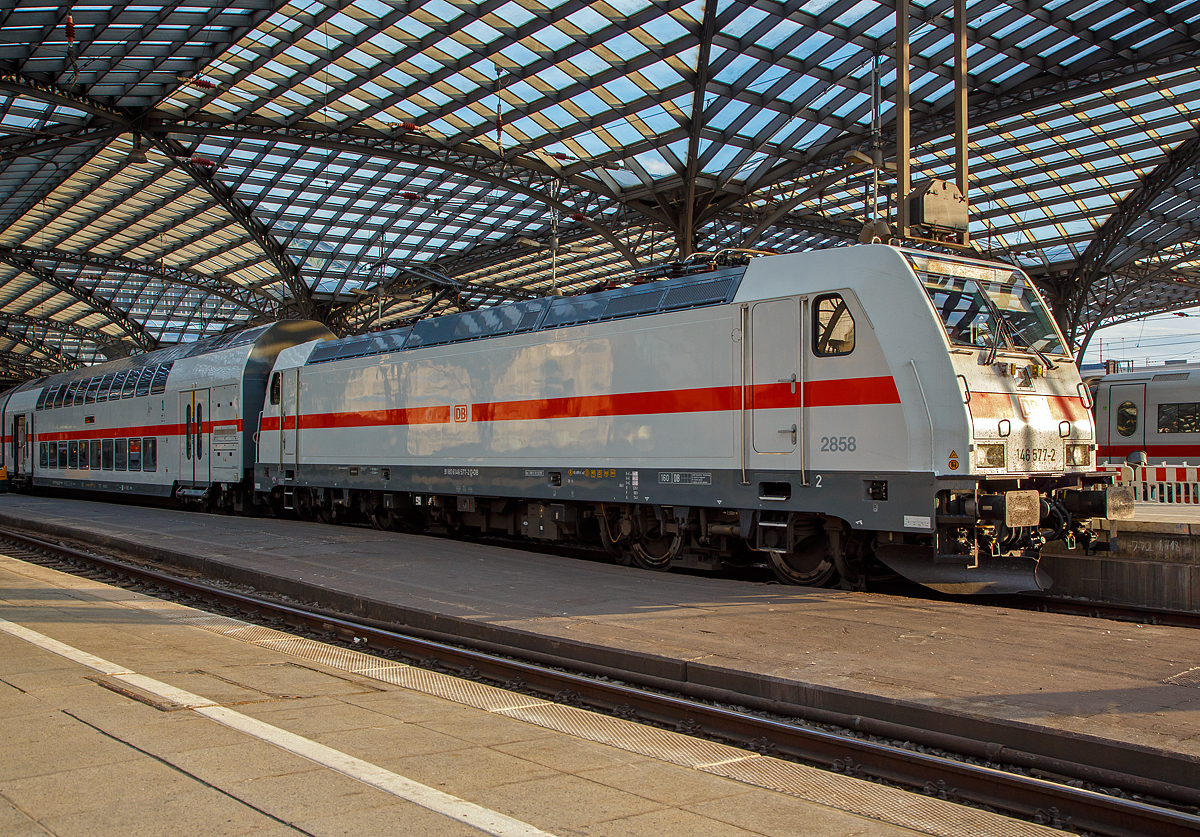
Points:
[[1022, 471]]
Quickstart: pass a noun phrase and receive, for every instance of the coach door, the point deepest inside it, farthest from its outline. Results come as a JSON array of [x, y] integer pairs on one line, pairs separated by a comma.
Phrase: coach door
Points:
[[775, 378], [20, 445], [1127, 418], [289, 405], [197, 424]]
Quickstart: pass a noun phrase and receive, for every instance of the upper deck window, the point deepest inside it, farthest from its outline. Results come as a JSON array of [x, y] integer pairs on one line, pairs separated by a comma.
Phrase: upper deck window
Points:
[[982, 304]]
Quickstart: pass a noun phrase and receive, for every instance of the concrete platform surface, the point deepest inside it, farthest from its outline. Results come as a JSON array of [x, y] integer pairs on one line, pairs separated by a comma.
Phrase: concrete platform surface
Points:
[[1099, 678], [124, 715]]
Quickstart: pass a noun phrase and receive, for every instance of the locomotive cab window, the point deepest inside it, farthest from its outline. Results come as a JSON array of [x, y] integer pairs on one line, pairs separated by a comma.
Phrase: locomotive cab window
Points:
[[1127, 418], [276, 388], [833, 326]]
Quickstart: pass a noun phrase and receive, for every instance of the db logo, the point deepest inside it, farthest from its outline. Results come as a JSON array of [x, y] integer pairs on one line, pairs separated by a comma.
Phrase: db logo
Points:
[[460, 412]]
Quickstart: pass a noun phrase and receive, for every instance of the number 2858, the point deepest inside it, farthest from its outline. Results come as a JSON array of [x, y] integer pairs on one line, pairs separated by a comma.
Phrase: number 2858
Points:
[[837, 444]]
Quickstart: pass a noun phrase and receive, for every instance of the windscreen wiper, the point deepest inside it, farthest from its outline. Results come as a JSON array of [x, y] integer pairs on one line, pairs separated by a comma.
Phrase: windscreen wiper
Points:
[[1015, 332]]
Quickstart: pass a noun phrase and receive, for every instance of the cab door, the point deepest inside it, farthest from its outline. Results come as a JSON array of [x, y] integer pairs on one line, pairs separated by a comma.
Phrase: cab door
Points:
[[289, 418], [197, 431], [775, 378]]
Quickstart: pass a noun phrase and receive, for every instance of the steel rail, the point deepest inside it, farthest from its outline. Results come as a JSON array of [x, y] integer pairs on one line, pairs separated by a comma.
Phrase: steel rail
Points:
[[1037, 799]]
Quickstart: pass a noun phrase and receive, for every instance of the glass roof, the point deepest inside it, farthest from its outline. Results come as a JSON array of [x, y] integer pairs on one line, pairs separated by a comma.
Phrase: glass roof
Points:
[[169, 172]]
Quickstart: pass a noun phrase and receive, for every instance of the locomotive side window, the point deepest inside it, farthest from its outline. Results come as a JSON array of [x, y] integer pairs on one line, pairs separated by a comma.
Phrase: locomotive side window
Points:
[[276, 388], [833, 326], [1179, 418], [1127, 418]]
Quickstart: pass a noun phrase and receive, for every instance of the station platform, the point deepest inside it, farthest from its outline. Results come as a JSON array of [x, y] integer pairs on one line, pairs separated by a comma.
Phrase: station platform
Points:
[[123, 714], [996, 671], [1150, 560]]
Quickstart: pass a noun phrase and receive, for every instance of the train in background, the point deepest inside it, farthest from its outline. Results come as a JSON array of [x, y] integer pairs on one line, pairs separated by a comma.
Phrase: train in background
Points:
[[839, 413], [1154, 410]]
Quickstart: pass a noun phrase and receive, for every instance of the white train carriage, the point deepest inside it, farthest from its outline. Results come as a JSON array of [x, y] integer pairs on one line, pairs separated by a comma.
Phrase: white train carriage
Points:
[[1153, 410], [172, 423], [825, 409]]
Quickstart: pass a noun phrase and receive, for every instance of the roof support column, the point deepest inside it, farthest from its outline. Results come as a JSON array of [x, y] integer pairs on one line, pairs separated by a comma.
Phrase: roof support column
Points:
[[961, 126], [687, 227], [903, 120]]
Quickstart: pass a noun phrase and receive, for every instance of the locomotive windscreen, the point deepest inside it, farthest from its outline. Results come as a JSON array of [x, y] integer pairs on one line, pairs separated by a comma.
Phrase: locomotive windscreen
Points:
[[979, 304]]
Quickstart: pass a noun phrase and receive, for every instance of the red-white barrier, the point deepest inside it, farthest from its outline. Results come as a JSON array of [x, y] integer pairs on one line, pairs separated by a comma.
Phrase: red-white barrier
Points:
[[1167, 484]]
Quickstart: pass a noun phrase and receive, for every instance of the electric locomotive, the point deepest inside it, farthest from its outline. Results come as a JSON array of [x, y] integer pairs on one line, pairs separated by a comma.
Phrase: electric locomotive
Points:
[[829, 411], [839, 414]]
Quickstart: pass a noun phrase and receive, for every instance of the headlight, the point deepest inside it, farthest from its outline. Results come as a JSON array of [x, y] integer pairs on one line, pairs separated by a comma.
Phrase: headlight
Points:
[[989, 456], [1079, 455]]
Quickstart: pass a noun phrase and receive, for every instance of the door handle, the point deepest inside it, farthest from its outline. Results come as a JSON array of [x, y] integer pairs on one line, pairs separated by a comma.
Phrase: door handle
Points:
[[791, 430], [792, 381]]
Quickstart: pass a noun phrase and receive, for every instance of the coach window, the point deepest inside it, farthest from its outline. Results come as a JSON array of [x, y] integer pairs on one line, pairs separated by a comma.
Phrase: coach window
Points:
[[150, 454], [833, 326], [43, 455], [105, 385], [81, 391], [131, 379], [1179, 418], [93, 388], [62, 454], [114, 391], [135, 454], [1127, 418], [73, 455], [122, 455], [276, 388], [94, 455], [143, 384], [106, 454]]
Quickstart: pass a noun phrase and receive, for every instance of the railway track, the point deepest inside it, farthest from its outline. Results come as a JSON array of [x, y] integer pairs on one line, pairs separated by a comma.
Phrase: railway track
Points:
[[1058, 792]]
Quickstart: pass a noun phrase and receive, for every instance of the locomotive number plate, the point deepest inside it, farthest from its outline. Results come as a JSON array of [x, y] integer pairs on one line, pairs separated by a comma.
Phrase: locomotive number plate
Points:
[[1029, 459]]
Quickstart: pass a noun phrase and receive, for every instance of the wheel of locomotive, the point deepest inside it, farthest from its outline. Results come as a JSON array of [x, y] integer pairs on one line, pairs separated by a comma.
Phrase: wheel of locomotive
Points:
[[275, 503], [381, 518], [305, 507], [655, 549], [329, 514], [809, 565]]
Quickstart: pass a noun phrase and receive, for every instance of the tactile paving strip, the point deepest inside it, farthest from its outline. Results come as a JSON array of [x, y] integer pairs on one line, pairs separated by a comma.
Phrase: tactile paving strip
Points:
[[1191, 677], [635, 738]]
